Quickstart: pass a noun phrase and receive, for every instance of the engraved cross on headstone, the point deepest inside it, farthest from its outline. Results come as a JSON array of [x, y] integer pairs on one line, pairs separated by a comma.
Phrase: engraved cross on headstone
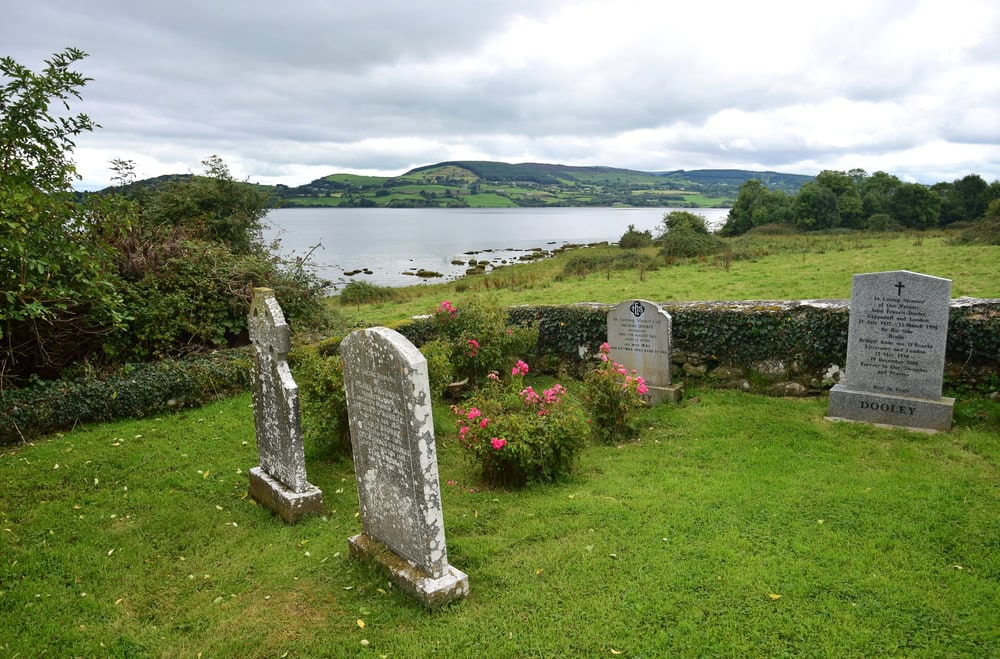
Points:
[[275, 394], [899, 287]]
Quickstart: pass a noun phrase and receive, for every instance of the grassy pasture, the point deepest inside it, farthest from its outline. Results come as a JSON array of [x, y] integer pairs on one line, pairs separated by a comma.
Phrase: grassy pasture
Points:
[[777, 267], [738, 525]]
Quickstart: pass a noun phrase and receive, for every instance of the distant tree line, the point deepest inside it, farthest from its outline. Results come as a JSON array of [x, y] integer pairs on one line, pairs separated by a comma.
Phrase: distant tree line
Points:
[[858, 200]]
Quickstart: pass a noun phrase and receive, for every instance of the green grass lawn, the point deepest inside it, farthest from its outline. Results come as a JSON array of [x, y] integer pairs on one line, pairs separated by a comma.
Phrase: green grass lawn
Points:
[[738, 525]]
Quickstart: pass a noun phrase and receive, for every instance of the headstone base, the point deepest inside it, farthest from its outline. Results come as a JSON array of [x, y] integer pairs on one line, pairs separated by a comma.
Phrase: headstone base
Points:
[[430, 592], [669, 394], [885, 410], [287, 504]]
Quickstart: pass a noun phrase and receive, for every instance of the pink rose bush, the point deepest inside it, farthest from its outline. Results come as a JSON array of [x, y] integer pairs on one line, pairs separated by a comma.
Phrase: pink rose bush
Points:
[[516, 435], [473, 339], [613, 398]]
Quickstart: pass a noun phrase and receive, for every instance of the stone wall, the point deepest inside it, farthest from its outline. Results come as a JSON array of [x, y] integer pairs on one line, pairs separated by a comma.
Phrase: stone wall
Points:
[[973, 357]]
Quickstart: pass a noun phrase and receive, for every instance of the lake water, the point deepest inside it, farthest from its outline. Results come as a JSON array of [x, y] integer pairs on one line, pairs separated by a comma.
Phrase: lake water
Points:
[[391, 241]]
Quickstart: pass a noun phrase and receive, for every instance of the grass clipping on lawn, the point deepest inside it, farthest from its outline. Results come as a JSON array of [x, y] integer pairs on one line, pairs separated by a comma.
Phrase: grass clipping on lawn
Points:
[[737, 524]]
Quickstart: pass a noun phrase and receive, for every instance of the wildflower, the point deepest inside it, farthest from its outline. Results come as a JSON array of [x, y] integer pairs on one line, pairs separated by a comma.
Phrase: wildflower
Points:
[[605, 348], [498, 443], [473, 347], [520, 368], [462, 431], [641, 387], [474, 413], [493, 376], [484, 423]]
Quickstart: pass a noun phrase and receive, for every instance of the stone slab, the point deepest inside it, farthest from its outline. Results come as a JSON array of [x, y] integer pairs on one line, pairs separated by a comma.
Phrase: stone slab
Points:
[[671, 394], [291, 506], [639, 334], [898, 411], [898, 331], [392, 440], [430, 591]]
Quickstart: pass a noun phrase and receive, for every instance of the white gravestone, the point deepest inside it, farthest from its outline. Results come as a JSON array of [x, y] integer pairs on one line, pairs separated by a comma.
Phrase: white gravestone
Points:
[[897, 334], [395, 462], [279, 483], [639, 334]]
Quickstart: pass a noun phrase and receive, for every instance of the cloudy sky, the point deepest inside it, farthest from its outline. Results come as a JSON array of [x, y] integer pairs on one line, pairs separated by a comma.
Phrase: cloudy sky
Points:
[[286, 92]]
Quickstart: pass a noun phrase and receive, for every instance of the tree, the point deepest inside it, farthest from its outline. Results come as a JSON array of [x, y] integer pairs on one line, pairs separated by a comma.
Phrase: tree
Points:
[[57, 292], [816, 207], [915, 206], [756, 205], [214, 206]]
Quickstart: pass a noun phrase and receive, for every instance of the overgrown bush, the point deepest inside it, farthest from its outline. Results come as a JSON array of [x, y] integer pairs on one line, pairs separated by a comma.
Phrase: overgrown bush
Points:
[[985, 231], [515, 435], [635, 239], [613, 398], [363, 292], [320, 379], [199, 298], [685, 242]]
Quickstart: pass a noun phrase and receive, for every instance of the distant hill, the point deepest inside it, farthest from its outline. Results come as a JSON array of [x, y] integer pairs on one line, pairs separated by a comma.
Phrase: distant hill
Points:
[[483, 183]]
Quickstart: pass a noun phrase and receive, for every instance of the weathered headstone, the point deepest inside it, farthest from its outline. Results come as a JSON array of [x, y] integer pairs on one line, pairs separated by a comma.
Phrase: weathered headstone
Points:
[[895, 352], [279, 483], [395, 462], [639, 334]]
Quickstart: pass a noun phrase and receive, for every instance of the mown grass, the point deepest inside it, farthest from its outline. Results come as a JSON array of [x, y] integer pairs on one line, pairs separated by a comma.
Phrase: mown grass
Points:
[[774, 267], [738, 525]]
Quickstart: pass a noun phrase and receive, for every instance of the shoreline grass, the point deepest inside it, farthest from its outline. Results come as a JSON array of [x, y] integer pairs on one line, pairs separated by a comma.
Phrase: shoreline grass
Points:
[[782, 267], [737, 525]]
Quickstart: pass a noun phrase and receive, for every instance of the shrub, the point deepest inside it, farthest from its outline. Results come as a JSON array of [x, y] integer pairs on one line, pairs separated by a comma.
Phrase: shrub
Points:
[[363, 292], [634, 239], [439, 368], [135, 390], [685, 242], [515, 435], [675, 220], [323, 403], [613, 399], [480, 339]]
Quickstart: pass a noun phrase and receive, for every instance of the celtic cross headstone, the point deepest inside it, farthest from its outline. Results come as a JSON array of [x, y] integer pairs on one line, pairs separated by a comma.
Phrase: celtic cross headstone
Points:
[[279, 483]]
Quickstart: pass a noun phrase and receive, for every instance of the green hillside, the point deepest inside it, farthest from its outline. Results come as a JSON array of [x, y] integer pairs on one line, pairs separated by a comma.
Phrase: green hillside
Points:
[[480, 183]]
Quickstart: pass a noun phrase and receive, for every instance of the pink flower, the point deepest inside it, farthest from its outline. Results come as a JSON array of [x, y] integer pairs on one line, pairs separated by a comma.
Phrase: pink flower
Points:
[[473, 347], [463, 430], [483, 423], [605, 348], [445, 307], [604, 358], [498, 443], [641, 386], [474, 413], [493, 376], [520, 368]]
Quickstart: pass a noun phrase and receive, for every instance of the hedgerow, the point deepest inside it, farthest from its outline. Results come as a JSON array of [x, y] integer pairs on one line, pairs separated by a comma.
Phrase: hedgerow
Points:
[[135, 390]]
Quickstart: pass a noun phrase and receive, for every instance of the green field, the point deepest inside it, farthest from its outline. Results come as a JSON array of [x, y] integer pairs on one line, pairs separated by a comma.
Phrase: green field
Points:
[[798, 266], [738, 525]]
